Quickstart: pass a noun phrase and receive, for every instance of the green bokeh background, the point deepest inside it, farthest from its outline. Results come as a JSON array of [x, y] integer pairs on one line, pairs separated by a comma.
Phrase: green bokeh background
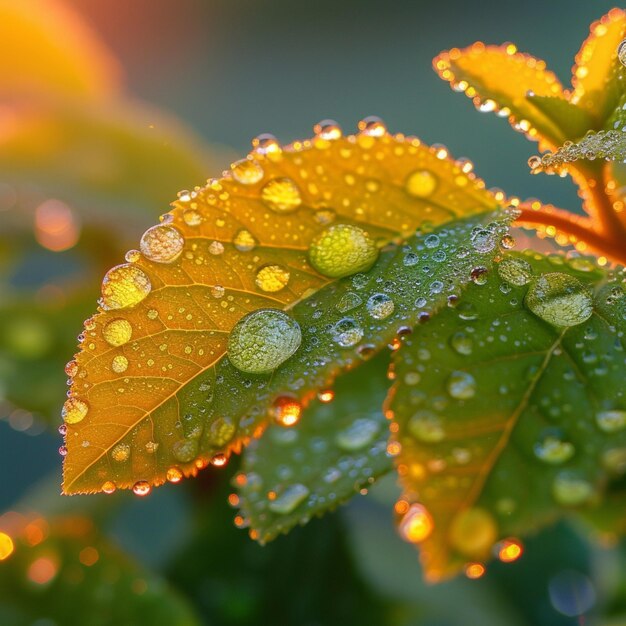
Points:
[[232, 69]]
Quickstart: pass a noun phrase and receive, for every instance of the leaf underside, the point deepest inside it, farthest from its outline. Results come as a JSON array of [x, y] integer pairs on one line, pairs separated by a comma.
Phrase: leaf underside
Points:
[[506, 421], [178, 388]]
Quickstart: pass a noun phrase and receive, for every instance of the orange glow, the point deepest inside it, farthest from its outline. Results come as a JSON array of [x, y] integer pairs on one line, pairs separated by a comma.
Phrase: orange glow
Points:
[[233, 499], [326, 396], [417, 524], [56, 227], [401, 507], [474, 570], [35, 532], [42, 570], [241, 480], [6, 546], [510, 550], [394, 448], [254, 534], [240, 522], [286, 411], [88, 556], [219, 460]]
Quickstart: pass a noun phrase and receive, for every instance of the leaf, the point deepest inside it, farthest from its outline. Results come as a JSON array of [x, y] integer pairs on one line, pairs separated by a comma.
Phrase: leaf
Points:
[[231, 254], [604, 145], [518, 413], [499, 79], [598, 75], [336, 449], [48, 50], [57, 570], [573, 120]]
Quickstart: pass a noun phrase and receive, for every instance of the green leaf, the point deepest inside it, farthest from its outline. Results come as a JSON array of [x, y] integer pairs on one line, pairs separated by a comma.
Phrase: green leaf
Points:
[[572, 120], [337, 448], [517, 411], [63, 570]]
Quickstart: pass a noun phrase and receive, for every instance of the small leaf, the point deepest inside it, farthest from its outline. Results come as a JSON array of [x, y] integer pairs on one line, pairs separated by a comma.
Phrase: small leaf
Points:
[[337, 448], [518, 413], [598, 75], [573, 121], [62, 570], [48, 50], [148, 379], [499, 79]]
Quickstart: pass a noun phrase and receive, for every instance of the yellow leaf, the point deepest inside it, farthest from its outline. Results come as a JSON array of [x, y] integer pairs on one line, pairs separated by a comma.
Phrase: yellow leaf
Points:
[[595, 75], [48, 50], [237, 245], [498, 79]]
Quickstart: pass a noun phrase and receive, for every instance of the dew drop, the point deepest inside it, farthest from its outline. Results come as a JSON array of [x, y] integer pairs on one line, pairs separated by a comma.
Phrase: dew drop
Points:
[[265, 143], [614, 460], [221, 431], [185, 450], [380, 306], [272, 278], [462, 343], [359, 434], [372, 126], [347, 332], [507, 242], [483, 241], [611, 421], [570, 489], [244, 241], [342, 250], [121, 452], [281, 195], [416, 524], [479, 275], [290, 499], [173, 475], [473, 532], [119, 364], [247, 171], [559, 299], [74, 411], [192, 217], [327, 130], [286, 411], [262, 340], [349, 301], [124, 286], [162, 243], [421, 184], [117, 332], [621, 52], [108, 487], [141, 488], [219, 460], [461, 385], [553, 450], [515, 271], [426, 427]]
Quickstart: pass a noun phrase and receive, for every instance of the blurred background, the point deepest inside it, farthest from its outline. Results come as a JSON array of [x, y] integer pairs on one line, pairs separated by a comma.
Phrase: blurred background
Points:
[[107, 109]]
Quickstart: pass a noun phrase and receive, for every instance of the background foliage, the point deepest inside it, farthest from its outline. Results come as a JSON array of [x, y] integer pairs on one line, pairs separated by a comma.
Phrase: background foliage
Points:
[[231, 70]]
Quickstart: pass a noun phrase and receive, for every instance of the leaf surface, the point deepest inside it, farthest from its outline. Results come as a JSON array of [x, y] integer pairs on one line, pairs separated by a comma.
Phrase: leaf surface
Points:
[[499, 79], [63, 568], [239, 247], [337, 448], [514, 411]]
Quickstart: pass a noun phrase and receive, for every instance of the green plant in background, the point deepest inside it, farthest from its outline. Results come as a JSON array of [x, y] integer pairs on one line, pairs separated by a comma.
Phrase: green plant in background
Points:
[[335, 310]]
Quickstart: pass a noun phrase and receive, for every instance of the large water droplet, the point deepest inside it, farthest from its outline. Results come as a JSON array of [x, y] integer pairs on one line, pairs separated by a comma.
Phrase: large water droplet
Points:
[[141, 488], [281, 195], [221, 431], [559, 299], [416, 524], [272, 278], [185, 450], [119, 364], [358, 435], [611, 421], [124, 286], [342, 250], [262, 340], [74, 411], [162, 243], [328, 130], [286, 411], [461, 385], [421, 184], [515, 271], [462, 343], [244, 241], [287, 502], [247, 171], [380, 306], [372, 126]]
